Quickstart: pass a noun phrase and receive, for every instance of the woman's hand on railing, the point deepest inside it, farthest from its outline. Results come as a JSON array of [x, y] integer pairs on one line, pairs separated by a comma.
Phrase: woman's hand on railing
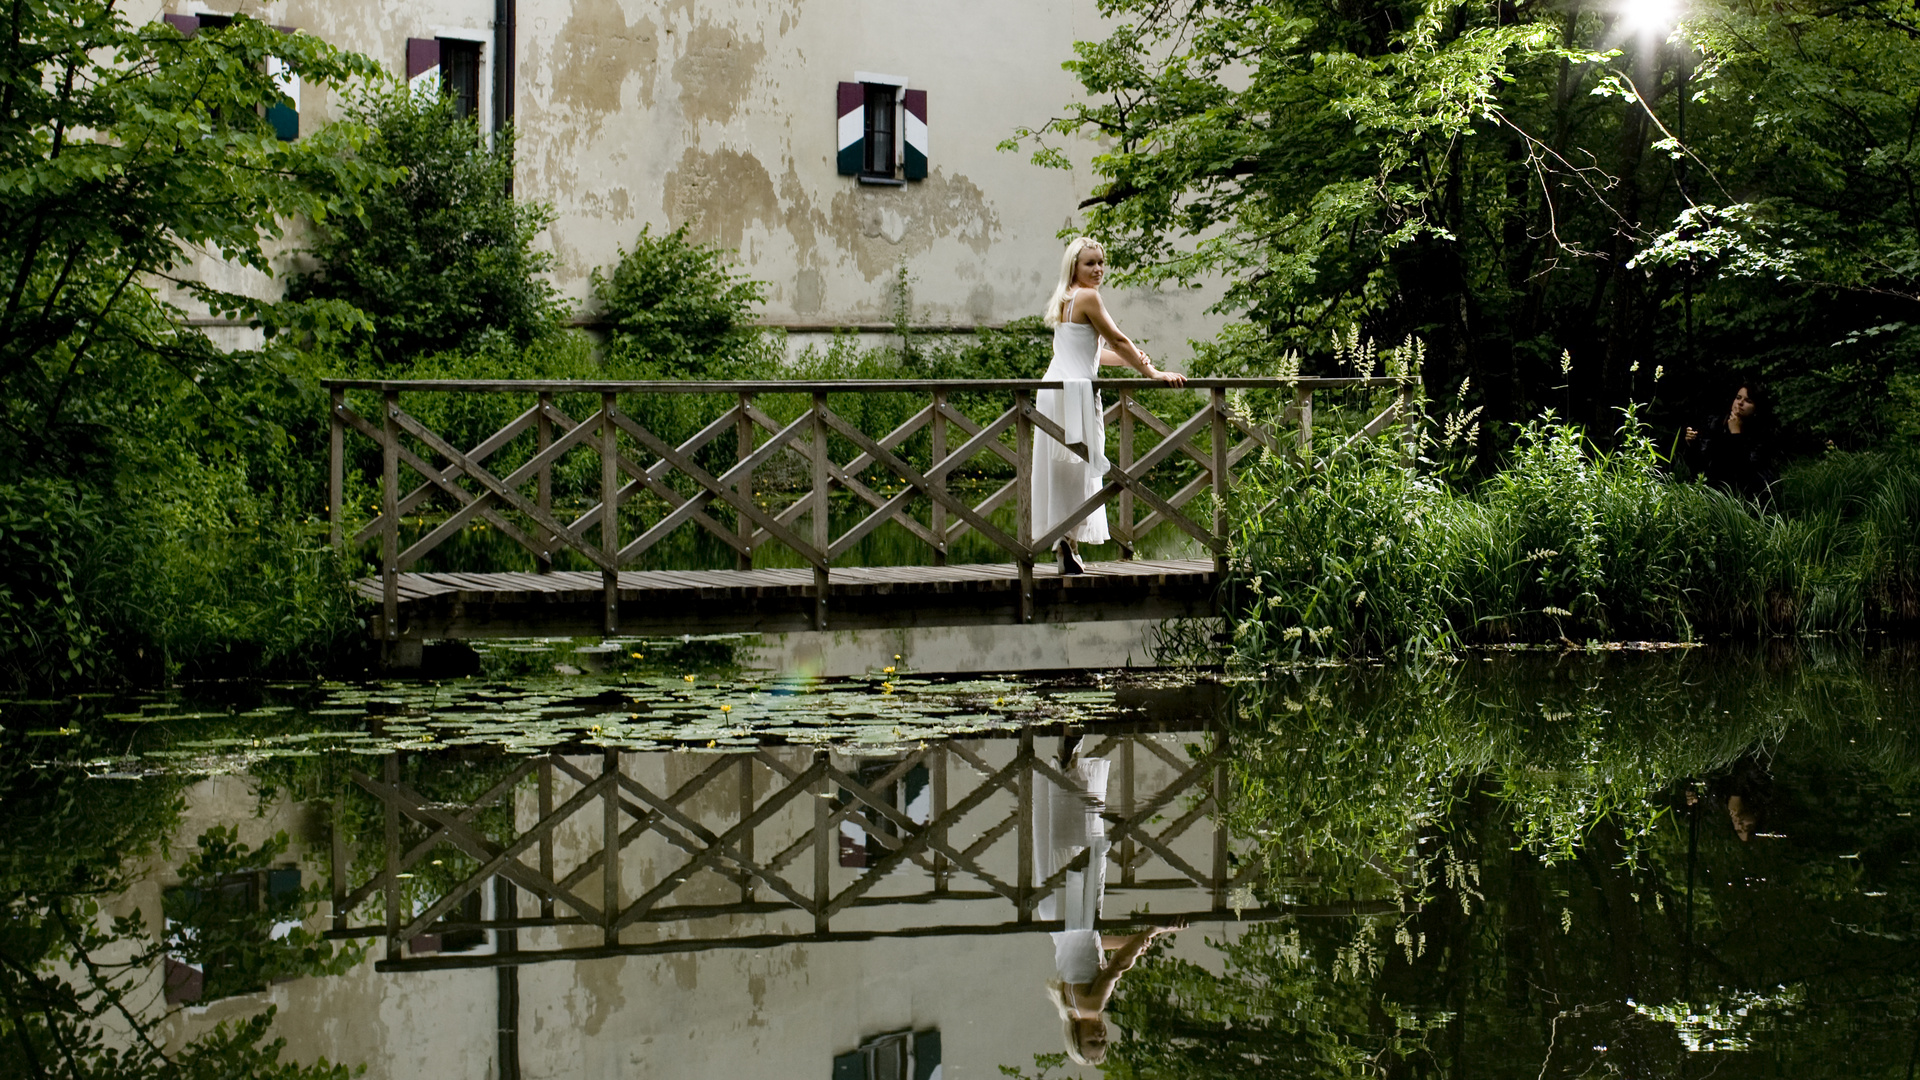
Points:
[[1171, 378]]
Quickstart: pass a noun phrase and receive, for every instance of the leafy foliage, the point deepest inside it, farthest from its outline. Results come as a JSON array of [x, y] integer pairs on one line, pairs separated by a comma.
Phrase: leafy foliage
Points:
[[143, 497], [444, 258], [1567, 543], [1511, 182], [674, 307], [241, 942], [76, 987], [1557, 884]]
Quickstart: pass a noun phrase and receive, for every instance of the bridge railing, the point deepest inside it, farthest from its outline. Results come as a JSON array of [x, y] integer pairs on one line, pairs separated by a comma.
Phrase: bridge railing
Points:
[[716, 486]]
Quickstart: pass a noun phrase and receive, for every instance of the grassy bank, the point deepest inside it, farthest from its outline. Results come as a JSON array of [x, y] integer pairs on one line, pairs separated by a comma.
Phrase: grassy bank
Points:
[[1565, 543]]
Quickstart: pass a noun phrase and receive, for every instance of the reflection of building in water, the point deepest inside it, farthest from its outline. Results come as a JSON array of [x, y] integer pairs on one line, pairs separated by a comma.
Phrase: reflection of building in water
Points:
[[729, 938]]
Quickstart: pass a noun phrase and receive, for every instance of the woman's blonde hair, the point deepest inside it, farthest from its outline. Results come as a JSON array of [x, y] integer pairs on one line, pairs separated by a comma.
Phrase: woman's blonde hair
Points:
[[1062, 1000], [1057, 306]]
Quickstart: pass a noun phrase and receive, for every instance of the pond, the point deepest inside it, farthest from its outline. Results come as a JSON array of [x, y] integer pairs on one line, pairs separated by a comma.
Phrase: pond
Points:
[[650, 862]]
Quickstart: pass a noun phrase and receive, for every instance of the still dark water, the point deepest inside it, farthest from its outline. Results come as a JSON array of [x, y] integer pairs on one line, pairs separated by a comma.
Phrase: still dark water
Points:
[[1642, 863]]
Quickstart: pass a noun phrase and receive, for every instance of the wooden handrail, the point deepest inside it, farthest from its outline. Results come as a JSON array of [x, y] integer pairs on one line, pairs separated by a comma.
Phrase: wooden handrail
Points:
[[833, 386], [636, 460]]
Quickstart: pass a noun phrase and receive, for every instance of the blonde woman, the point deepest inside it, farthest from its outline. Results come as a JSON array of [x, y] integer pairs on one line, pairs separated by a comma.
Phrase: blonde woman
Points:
[[1064, 477], [1086, 982]]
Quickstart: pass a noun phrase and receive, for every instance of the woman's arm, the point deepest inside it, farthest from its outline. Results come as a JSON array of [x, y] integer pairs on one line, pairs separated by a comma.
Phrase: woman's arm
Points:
[[1127, 951], [1121, 349]]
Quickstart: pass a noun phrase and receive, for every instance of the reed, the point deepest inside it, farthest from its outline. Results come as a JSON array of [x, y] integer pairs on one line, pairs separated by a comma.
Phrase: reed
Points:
[[1567, 543]]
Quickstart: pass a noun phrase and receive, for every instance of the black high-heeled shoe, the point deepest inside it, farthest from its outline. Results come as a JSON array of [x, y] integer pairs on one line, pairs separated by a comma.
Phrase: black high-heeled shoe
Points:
[[1069, 562]]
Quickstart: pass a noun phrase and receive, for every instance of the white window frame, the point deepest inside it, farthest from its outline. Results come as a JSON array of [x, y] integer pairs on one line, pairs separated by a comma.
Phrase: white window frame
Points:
[[483, 109]]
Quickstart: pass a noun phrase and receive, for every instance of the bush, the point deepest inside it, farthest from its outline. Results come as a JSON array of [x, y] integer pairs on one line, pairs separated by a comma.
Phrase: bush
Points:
[[184, 571], [674, 310], [444, 258], [1566, 543]]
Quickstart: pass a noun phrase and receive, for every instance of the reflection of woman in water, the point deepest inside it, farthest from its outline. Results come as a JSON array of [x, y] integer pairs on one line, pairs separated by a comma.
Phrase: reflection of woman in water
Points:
[[1067, 823], [1084, 984]]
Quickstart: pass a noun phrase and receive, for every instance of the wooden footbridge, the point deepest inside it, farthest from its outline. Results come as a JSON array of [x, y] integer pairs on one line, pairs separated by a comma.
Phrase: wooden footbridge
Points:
[[600, 473]]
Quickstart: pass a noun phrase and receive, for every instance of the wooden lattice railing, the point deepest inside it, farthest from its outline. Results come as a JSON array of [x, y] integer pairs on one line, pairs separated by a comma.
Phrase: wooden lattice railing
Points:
[[635, 460]]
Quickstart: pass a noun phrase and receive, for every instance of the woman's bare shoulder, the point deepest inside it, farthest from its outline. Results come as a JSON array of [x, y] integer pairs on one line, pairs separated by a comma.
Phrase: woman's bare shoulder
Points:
[[1087, 299]]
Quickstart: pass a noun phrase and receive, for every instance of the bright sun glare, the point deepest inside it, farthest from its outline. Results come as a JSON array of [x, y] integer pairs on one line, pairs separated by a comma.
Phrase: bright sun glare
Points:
[[1649, 15]]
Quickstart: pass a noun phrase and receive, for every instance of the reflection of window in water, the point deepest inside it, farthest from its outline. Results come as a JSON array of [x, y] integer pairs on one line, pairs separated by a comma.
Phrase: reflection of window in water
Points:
[[911, 795], [215, 931], [470, 909], [897, 1055]]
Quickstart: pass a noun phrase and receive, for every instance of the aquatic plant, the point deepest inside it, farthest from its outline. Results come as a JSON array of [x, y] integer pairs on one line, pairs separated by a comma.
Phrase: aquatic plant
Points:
[[1567, 543]]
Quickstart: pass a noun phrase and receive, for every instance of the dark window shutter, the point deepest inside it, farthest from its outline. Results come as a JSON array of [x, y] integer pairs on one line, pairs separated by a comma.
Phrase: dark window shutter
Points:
[[926, 1054], [423, 65], [851, 1065], [852, 117], [284, 119], [915, 165], [188, 25]]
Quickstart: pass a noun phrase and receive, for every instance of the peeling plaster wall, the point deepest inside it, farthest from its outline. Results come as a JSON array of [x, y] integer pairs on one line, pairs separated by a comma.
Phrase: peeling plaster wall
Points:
[[720, 116]]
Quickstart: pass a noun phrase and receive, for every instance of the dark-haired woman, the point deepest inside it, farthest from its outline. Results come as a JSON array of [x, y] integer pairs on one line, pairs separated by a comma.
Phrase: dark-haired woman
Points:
[[1729, 452]]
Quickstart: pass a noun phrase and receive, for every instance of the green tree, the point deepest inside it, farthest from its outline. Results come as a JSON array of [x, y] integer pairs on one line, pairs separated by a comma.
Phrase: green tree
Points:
[[443, 259], [1514, 182], [126, 508], [122, 151]]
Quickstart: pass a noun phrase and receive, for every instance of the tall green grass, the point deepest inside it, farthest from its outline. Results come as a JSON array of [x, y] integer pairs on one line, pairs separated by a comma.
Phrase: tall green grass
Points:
[[1568, 542]]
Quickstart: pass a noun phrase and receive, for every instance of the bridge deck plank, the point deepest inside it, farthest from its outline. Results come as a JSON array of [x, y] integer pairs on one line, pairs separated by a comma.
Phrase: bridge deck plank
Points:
[[465, 605]]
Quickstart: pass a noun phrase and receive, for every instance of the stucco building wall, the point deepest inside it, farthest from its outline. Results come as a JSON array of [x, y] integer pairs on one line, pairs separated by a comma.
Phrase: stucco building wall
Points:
[[721, 116]]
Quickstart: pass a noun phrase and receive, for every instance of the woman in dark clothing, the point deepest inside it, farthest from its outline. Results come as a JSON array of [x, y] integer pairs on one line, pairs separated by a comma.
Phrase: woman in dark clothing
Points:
[[1730, 451]]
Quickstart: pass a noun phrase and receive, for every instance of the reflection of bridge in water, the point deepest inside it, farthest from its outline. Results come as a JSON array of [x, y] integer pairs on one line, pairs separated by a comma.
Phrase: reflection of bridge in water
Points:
[[626, 853]]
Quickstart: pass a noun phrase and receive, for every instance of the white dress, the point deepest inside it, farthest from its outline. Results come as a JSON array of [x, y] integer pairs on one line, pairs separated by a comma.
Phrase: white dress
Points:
[[1062, 479], [1066, 822]]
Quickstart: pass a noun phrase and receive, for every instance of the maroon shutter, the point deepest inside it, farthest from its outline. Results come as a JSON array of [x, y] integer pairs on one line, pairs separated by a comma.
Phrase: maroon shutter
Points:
[[423, 56], [850, 123], [188, 25], [914, 135]]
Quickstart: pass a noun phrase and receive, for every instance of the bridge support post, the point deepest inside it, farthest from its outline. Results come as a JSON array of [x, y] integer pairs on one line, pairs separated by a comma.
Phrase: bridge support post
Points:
[[1023, 826], [390, 526], [1303, 412], [938, 433], [610, 845], [610, 513], [1023, 498], [823, 841], [1221, 868], [543, 496], [743, 433], [822, 523], [1123, 530], [1220, 482], [1409, 432], [337, 471]]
